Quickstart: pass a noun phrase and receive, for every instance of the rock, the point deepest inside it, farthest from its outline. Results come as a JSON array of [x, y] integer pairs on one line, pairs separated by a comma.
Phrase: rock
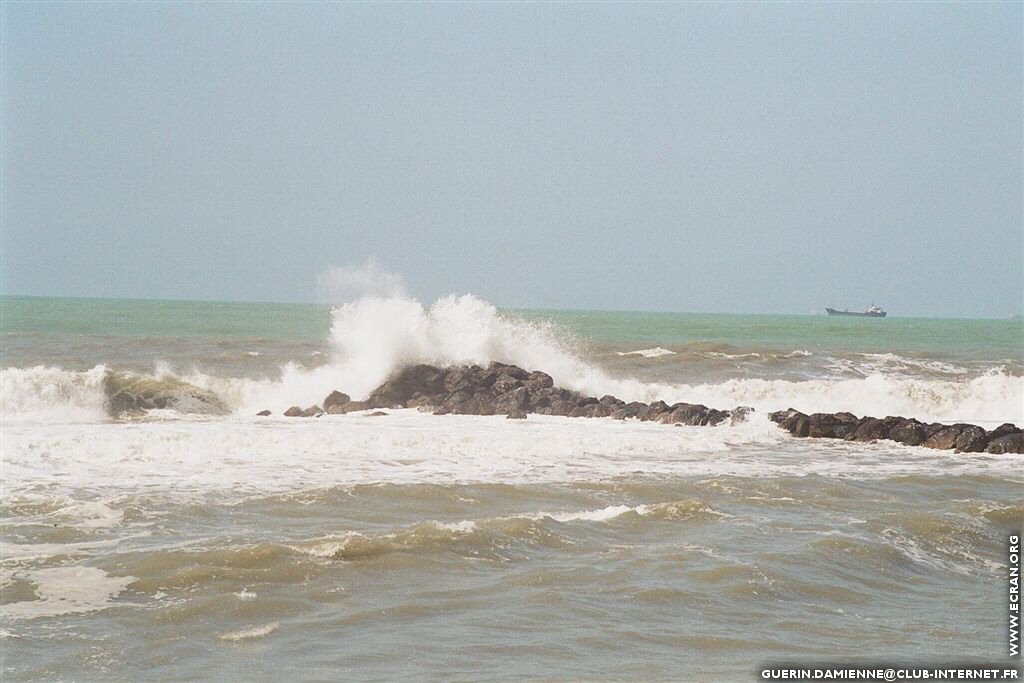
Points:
[[126, 392], [335, 398], [870, 429], [350, 407], [294, 411], [538, 380], [654, 410], [402, 386], [517, 414], [832, 425], [789, 418], [779, 416], [971, 439], [945, 438], [1003, 430], [312, 411], [685, 413], [801, 425], [715, 417], [263, 413], [516, 399], [1008, 443], [910, 433], [425, 404], [376, 413]]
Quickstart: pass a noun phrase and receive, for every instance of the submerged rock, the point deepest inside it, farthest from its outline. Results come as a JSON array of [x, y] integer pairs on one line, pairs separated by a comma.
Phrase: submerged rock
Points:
[[128, 393], [263, 413]]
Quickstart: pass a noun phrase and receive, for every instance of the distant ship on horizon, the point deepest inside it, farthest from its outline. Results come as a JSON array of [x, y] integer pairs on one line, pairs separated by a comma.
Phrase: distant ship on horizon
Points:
[[873, 312]]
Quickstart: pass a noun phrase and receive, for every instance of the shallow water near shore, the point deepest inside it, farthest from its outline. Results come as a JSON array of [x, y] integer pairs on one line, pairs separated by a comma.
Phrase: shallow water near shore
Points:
[[181, 545]]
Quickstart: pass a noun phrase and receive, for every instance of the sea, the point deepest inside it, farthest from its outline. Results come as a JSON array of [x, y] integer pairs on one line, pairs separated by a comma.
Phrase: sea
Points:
[[201, 544]]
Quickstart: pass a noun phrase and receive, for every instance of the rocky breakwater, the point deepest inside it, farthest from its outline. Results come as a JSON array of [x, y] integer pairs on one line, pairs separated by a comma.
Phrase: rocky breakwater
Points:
[[962, 438], [501, 389]]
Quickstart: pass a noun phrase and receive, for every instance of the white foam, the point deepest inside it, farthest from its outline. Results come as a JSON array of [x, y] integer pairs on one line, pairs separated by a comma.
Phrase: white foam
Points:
[[250, 633], [48, 394], [68, 590], [372, 337], [245, 594], [243, 456], [648, 353], [602, 515]]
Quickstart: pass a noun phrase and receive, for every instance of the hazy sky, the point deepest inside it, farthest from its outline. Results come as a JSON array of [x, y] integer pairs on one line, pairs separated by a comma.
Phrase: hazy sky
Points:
[[688, 157]]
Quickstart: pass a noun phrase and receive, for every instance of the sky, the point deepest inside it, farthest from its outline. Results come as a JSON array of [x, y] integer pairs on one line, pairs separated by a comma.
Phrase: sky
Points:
[[745, 158]]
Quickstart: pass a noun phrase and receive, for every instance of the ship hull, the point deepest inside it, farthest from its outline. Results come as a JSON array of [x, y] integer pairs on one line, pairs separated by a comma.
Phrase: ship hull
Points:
[[853, 314]]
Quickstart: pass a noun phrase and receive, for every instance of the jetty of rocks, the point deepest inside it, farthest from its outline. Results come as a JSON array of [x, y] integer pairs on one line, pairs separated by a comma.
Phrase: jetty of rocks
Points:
[[501, 389]]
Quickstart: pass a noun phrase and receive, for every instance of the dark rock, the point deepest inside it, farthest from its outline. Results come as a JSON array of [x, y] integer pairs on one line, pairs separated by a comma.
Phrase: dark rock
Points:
[[350, 407], [600, 410], [870, 429], [972, 439], [1003, 430], [654, 410], [801, 425], [516, 399], [421, 403], [402, 386], [506, 383], [458, 378], [715, 417], [909, 433], [945, 438], [263, 413], [335, 398], [539, 380], [780, 416], [1008, 443], [630, 410], [511, 370], [294, 411], [832, 425], [312, 411], [517, 414], [376, 413], [685, 413]]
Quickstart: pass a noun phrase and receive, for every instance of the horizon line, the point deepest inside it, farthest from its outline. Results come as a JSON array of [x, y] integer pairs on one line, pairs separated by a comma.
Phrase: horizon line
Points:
[[3, 295]]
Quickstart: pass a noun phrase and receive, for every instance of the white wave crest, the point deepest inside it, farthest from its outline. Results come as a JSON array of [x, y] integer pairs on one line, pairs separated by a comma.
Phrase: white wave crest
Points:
[[48, 394], [372, 337], [648, 353]]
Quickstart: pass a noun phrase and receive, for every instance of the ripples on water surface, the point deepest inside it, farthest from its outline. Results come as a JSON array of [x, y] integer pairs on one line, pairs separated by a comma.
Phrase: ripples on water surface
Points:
[[227, 547]]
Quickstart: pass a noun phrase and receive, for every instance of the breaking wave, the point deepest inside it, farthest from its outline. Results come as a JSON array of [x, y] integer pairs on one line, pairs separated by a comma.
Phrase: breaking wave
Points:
[[372, 337]]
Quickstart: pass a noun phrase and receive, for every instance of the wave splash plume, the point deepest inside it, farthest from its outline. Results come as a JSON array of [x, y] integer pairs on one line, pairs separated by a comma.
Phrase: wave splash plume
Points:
[[374, 336]]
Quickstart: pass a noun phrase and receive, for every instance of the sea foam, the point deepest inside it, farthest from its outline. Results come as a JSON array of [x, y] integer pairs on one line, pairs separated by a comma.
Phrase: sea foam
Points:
[[372, 337]]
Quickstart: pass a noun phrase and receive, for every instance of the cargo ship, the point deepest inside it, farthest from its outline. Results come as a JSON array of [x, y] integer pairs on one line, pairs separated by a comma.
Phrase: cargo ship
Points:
[[873, 312]]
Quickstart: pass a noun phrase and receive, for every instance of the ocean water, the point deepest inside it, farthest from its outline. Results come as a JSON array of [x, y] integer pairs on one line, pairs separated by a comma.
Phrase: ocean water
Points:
[[199, 543]]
